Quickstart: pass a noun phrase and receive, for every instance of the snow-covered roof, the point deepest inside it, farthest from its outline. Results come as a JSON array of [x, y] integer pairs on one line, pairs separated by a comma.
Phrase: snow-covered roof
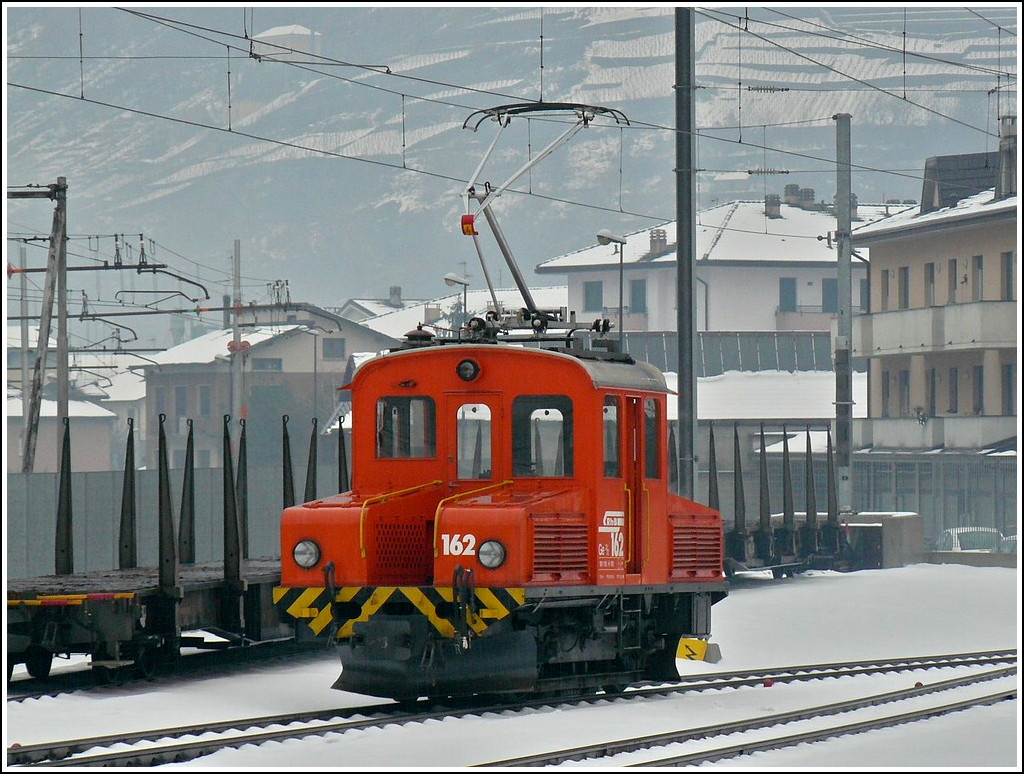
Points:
[[398, 322], [48, 408], [289, 29], [14, 336], [798, 442], [378, 306], [125, 387], [770, 395], [214, 345], [979, 205], [737, 231]]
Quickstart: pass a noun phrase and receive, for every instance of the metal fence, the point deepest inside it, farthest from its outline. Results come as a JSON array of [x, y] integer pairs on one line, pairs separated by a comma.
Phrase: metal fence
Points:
[[947, 490], [31, 516]]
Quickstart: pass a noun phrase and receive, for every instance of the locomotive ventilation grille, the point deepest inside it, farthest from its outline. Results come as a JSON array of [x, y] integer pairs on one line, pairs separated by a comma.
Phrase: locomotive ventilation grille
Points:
[[401, 548], [559, 549], [695, 549]]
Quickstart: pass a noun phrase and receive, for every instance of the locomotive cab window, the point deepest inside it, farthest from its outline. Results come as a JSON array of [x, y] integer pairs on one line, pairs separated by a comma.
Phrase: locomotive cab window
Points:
[[542, 435], [652, 439], [610, 423], [405, 427], [473, 440]]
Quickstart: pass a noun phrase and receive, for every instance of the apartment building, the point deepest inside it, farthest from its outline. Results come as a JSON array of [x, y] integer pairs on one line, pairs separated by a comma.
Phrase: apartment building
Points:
[[941, 333]]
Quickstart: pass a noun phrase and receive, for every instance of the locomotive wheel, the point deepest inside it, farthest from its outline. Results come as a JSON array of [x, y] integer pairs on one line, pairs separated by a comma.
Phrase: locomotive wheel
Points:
[[37, 661]]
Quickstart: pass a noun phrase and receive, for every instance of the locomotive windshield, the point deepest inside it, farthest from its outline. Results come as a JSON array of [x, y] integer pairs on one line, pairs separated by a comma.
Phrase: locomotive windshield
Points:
[[542, 435], [405, 427]]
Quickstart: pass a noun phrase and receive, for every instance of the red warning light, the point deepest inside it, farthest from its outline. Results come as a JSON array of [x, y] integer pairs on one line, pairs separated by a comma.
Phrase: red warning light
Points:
[[467, 226]]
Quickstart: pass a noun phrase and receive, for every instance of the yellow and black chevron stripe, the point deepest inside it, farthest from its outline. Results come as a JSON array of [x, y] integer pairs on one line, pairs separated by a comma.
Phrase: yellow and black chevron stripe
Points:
[[312, 604]]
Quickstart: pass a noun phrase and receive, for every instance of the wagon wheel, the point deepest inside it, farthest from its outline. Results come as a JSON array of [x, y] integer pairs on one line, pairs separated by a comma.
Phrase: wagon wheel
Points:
[[145, 663], [108, 675], [37, 661]]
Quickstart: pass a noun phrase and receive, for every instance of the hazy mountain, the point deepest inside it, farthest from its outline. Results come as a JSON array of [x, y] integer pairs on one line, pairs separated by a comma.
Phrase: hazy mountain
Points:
[[342, 173]]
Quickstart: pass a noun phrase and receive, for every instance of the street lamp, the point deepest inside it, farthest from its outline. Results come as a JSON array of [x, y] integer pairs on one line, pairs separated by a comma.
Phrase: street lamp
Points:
[[315, 333], [606, 237], [452, 279]]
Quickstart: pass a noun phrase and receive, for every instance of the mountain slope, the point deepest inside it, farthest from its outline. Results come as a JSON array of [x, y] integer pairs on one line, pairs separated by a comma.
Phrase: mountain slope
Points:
[[345, 180]]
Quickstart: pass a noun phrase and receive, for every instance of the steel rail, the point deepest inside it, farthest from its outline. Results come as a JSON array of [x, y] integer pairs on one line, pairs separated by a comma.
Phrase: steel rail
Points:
[[342, 719], [606, 749]]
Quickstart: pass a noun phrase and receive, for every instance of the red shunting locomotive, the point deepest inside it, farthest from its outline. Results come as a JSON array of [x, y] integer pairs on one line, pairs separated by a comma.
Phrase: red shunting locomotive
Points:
[[510, 528]]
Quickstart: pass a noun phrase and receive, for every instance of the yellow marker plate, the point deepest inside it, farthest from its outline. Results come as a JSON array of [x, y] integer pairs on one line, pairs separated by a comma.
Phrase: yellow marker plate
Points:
[[691, 649]]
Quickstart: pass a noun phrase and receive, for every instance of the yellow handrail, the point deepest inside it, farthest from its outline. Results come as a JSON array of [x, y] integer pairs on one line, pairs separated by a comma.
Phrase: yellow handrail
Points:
[[445, 501], [381, 498], [628, 526], [647, 536]]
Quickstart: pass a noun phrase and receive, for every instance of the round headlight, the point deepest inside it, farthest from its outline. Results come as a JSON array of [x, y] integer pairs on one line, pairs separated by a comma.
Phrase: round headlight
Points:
[[306, 554], [468, 370], [491, 554]]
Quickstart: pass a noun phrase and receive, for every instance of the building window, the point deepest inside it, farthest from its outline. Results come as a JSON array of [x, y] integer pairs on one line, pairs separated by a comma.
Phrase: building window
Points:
[[865, 295], [929, 284], [1009, 390], [903, 287], [952, 279], [885, 291], [787, 294], [954, 390], [830, 295], [885, 393], [1007, 277], [203, 458], [904, 388], [161, 400], [977, 278], [204, 400], [266, 364], [979, 390], [333, 349], [638, 296], [593, 297], [181, 401]]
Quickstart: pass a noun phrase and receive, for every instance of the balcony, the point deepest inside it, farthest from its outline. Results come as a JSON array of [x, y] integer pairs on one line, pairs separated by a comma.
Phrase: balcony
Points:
[[971, 326], [950, 432], [803, 318]]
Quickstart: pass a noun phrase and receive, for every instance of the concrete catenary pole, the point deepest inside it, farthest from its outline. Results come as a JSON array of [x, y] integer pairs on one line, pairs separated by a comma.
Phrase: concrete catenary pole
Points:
[[63, 372], [844, 323], [236, 334], [685, 245], [25, 413]]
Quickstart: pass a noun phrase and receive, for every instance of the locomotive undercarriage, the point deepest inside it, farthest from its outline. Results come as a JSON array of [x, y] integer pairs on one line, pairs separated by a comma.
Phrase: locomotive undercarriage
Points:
[[559, 646]]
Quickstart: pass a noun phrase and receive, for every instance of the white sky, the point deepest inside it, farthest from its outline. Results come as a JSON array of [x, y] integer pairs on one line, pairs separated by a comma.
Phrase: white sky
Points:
[[815, 617]]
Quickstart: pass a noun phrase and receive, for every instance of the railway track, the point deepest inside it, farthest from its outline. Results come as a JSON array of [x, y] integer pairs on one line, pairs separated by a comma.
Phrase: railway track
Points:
[[157, 746], [712, 734], [194, 665]]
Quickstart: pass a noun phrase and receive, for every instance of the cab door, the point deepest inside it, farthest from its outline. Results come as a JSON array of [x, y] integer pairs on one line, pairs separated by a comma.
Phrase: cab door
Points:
[[642, 469], [470, 425]]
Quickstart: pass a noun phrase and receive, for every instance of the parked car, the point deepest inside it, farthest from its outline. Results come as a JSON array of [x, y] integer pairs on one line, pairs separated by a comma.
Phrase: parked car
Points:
[[1008, 545], [969, 539]]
